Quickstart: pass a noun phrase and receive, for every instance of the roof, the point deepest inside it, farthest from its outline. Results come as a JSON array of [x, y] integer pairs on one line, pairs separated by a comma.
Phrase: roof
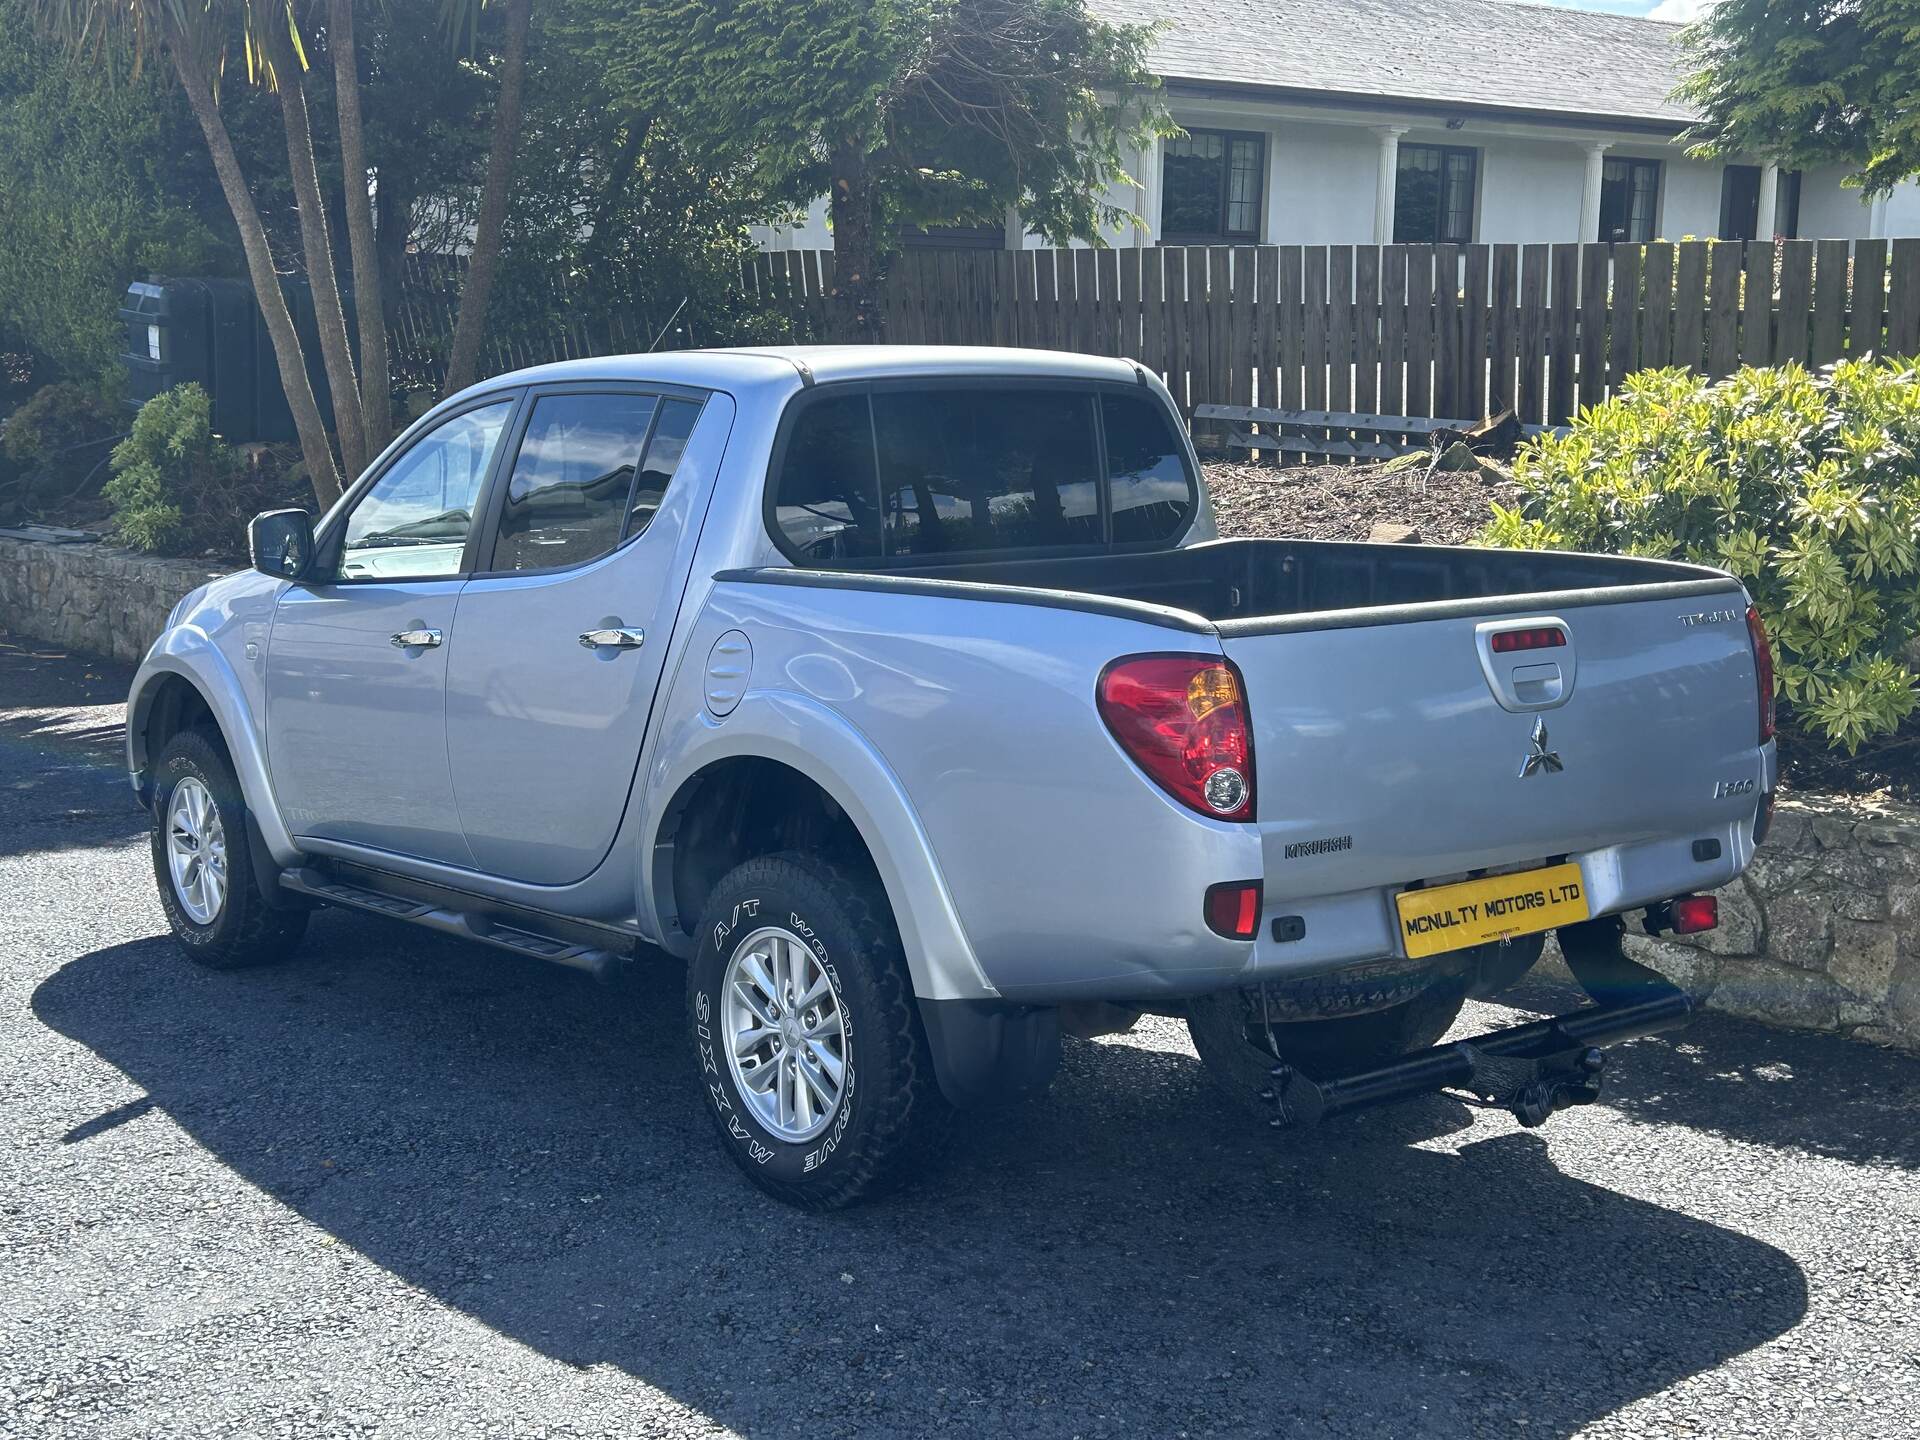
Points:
[[1478, 54], [785, 365]]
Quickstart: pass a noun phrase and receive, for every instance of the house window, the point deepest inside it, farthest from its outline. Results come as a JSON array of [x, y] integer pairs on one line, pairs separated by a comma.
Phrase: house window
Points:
[[1433, 195], [1211, 183], [1786, 211], [1629, 199], [1740, 203]]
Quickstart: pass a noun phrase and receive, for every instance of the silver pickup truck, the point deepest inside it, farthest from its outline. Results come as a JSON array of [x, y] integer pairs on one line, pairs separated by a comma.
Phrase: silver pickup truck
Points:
[[908, 697]]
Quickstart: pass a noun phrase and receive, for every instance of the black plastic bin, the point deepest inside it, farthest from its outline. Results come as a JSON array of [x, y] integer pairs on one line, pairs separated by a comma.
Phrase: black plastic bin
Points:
[[208, 329]]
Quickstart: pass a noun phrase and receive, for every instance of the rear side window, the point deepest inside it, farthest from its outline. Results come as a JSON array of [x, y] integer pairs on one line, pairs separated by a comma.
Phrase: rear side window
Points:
[[568, 496], [826, 501], [892, 472], [664, 450], [1146, 470]]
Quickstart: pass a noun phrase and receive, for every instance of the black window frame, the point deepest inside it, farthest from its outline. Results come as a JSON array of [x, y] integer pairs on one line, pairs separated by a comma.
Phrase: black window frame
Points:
[[1472, 154], [1222, 235], [1089, 390], [494, 495], [1633, 163]]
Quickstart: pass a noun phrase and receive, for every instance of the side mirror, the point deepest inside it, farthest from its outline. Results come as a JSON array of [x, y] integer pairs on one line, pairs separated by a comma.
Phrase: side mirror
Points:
[[280, 542]]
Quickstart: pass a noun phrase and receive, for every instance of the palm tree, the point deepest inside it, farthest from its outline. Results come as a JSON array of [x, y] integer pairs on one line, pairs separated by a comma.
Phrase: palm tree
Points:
[[193, 35], [463, 358]]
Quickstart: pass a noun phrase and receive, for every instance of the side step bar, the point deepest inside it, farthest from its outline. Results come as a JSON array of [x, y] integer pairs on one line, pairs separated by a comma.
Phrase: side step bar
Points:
[[1531, 1070], [467, 918]]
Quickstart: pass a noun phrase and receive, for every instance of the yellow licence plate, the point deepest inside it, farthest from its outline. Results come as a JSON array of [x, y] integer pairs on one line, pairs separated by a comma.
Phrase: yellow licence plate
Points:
[[1452, 917]]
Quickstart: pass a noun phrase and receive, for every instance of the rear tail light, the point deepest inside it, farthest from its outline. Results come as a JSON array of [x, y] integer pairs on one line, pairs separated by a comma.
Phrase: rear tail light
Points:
[[1694, 913], [1183, 719], [1233, 909], [1544, 637], [1762, 670]]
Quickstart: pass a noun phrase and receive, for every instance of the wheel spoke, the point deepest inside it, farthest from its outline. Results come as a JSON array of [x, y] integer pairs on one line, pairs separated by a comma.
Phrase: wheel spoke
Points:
[[818, 1085], [760, 1077], [831, 1065], [828, 1024], [802, 1095], [755, 966], [754, 1005], [745, 1042], [816, 992]]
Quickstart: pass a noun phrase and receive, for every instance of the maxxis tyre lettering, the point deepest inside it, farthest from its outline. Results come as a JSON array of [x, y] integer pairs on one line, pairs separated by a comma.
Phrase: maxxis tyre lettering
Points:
[[892, 1116], [247, 931]]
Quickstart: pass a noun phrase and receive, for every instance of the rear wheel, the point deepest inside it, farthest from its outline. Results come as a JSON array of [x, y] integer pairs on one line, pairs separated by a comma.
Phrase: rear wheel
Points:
[[1229, 1035], [809, 1044], [204, 866]]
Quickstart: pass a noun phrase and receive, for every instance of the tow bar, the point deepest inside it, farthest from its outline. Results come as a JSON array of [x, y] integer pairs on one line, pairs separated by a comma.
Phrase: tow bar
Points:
[[1531, 1070]]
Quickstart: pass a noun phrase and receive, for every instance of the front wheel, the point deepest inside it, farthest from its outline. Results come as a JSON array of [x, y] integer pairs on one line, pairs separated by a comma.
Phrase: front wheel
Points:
[[203, 866], [808, 1042]]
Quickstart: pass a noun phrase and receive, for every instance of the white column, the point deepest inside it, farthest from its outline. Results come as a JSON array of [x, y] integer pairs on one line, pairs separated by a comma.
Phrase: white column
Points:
[[1015, 236], [1877, 216], [1146, 193], [1387, 182], [1590, 192], [1769, 203]]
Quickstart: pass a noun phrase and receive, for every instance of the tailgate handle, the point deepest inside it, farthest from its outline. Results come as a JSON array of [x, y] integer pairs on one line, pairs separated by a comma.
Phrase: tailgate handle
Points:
[[1530, 675]]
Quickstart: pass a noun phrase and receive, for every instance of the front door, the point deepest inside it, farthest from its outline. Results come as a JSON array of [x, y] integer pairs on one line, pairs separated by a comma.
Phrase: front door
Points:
[[564, 629], [357, 660]]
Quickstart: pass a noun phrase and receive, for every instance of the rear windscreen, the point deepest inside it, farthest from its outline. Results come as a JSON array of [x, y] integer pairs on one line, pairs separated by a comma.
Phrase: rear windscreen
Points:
[[913, 473]]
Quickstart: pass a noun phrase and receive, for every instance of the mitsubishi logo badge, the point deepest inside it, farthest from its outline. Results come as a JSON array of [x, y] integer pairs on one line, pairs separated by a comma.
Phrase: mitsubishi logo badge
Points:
[[1539, 757]]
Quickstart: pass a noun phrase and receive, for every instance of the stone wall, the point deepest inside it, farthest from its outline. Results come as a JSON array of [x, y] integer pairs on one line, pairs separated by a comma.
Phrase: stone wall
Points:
[[1821, 931], [91, 597]]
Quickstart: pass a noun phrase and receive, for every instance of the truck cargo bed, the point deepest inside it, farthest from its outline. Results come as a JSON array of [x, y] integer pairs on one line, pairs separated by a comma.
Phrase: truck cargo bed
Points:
[[1256, 586]]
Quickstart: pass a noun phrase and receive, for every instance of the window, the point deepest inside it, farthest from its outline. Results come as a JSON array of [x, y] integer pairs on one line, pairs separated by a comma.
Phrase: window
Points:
[[1629, 200], [960, 469], [1433, 195], [568, 496], [971, 469], [669, 443], [1739, 202], [1146, 470], [1210, 186], [827, 502], [1786, 210], [413, 523]]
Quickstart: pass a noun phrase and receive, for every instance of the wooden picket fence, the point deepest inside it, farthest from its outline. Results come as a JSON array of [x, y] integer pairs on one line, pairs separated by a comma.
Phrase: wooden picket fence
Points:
[[1408, 330]]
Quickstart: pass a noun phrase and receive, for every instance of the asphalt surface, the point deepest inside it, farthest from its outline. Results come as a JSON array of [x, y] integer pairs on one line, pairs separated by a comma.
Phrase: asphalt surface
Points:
[[403, 1187]]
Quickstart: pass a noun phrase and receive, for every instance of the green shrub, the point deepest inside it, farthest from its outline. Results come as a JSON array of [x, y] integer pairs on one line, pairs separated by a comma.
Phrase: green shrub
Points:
[[1807, 487], [168, 469], [54, 420]]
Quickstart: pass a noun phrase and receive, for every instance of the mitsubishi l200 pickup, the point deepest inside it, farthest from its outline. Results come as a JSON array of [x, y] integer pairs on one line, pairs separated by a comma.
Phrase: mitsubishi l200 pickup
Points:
[[907, 696]]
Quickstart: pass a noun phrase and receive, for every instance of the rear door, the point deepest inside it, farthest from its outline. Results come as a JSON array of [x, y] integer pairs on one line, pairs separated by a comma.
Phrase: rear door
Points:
[[1391, 753], [563, 632]]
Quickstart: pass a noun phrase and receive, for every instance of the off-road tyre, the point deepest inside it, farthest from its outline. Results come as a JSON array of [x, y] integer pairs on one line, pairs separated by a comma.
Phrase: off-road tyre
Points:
[[892, 1120], [1228, 1035], [246, 931]]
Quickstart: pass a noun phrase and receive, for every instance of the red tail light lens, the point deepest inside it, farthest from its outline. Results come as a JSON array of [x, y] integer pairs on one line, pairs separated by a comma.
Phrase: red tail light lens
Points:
[[1233, 909], [1762, 670], [1545, 637], [1695, 913], [1183, 719]]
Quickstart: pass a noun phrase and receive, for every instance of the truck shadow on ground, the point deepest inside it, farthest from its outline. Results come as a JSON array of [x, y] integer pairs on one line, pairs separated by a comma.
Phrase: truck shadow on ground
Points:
[[1121, 1255]]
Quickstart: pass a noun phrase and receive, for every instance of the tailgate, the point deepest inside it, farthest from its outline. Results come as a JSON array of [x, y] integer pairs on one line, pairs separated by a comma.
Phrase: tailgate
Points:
[[1395, 752]]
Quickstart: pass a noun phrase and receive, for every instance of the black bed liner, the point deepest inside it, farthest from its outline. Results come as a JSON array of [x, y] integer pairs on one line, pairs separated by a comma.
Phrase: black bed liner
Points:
[[1247, 587]]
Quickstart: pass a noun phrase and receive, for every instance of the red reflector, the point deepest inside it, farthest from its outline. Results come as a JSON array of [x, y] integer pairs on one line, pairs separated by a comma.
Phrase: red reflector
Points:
[[1233, 909], [1694, 913], [1544, 637]]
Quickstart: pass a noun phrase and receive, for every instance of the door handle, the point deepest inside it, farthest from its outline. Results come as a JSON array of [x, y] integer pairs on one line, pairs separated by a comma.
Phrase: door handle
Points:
[[415, 639], [613, 638]]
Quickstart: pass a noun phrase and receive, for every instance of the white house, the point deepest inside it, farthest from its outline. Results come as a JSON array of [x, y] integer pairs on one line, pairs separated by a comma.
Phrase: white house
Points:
[[1407, 121]]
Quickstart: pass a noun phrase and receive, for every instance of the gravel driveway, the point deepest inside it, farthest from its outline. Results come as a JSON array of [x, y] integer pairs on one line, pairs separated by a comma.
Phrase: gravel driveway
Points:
[[403, 1187]]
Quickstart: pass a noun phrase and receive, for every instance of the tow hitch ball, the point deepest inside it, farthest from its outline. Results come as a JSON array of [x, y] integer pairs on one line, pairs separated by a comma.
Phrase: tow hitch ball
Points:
[[1531, 1070]]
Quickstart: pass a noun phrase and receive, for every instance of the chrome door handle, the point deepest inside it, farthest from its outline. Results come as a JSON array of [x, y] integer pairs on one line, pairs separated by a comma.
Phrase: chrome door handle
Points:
[[415, 639], [613, 638]]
